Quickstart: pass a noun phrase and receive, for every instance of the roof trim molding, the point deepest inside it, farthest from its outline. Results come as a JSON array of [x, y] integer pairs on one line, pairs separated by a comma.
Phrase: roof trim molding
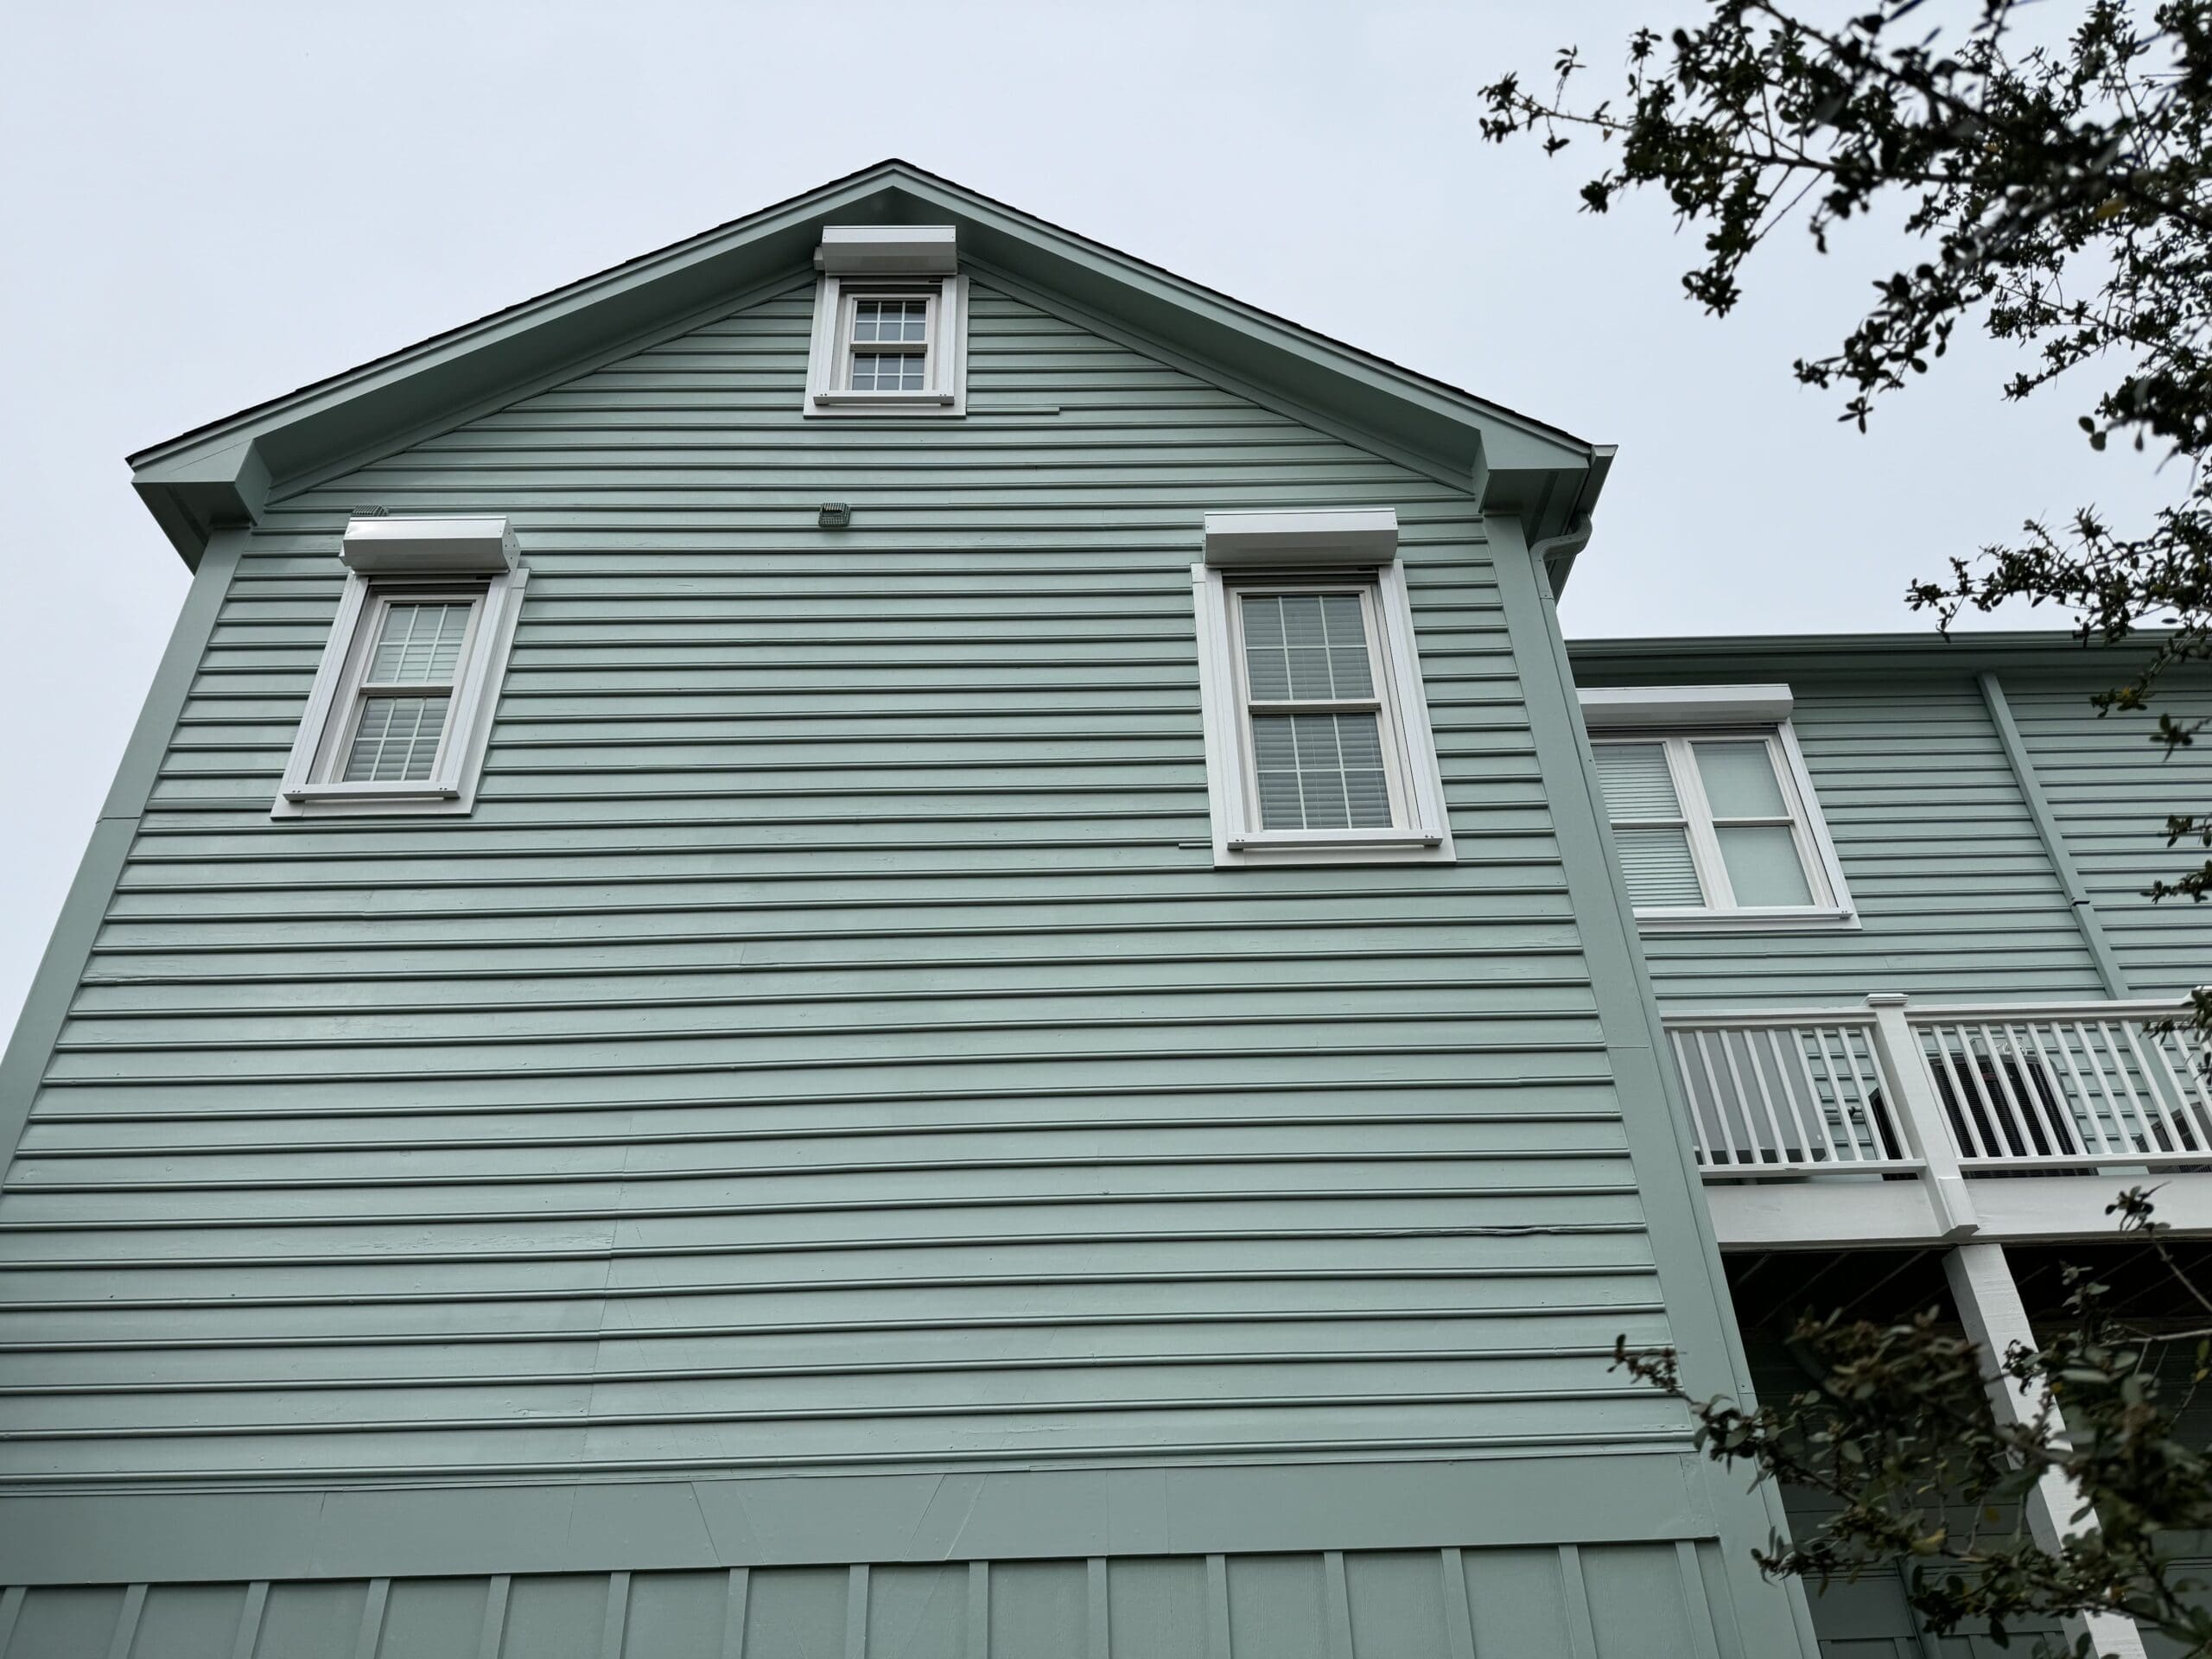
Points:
[[222, 473]]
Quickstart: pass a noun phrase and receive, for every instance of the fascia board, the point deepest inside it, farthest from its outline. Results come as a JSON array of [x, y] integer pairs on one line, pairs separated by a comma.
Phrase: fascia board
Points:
[[1693, 658], [1509, 458]]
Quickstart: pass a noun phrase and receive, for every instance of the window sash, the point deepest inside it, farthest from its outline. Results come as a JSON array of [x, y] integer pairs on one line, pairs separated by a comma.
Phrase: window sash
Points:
[[851, 347], [1696, 816], [358, 691], [1378, 703]]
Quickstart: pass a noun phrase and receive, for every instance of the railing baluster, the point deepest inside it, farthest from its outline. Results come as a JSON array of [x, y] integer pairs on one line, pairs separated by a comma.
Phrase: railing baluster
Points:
[[1781, 1151], [1698, 1136], [1820, 1119], [2080, 1105], [2146, 1141], [1872, 1120], [1959, 1115], [2003, 1075], [2103, 1076], [2174, 1140], [1720, 1106], [1827, 1065]]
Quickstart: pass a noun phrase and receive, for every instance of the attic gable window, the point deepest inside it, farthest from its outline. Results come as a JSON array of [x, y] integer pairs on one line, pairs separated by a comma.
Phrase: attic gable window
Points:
[[890, 323], [401, 709], [1713, 817], [1318, 744]]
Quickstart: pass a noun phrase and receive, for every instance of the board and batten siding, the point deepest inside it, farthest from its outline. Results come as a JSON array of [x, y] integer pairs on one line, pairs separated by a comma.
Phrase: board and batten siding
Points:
[[828, 1044], [2112, 785], [1957, 897]]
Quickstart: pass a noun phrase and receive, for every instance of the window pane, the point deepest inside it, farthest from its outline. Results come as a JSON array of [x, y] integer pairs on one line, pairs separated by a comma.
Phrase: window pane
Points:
[[397, 741], [1320, 772], [419, 643], [1658, 865], [889, 371], [1763, 865], [1304, 648], [1634, 781], [1739, 780]]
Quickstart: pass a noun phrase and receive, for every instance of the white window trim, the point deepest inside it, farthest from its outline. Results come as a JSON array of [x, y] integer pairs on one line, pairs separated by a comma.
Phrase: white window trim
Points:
[[829, 351], [1677, 716], [1417, 790], [309, 788]]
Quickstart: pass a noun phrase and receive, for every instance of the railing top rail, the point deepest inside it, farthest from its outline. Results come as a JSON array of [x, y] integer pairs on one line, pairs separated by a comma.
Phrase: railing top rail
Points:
[[2018, 1014], [1929, 1012], [1755, 1019]]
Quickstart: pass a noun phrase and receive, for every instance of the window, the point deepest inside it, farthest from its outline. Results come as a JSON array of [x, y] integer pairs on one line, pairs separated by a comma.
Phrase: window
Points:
[[1713, 823], [1317, 743], [400, 709], [890, 323]]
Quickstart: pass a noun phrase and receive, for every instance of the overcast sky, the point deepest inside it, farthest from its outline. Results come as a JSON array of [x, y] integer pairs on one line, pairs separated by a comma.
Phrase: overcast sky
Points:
[[207, 204]]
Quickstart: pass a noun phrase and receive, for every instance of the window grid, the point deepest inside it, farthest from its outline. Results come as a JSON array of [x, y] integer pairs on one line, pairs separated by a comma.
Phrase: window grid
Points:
[[1316, 725], [407, 678], [1650, 864], [887, 342]]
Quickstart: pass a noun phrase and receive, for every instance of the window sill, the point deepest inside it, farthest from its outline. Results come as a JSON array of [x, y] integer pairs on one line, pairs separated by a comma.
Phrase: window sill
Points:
[[1334, 846], [908, 402], [1746, 921], [321, 800]]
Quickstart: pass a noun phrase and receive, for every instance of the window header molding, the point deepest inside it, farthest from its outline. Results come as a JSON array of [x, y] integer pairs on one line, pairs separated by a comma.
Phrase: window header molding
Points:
[[1350, 536], [430, 547], [888, 251], [1613, 708]]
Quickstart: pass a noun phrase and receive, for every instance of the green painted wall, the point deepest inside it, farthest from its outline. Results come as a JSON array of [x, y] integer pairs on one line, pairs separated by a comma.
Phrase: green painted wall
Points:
[[1958, 894], [2111, 786], [829, 1047]]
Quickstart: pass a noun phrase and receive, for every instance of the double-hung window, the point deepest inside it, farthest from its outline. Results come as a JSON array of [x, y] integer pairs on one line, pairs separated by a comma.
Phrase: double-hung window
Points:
[[398, 715], [1318, 744], [890, 323], [1713, 814]]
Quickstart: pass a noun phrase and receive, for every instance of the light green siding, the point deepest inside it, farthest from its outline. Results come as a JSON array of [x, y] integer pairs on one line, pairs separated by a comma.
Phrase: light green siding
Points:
[[2112, 785], [828, 1045], [1956, 895], [833, 970]]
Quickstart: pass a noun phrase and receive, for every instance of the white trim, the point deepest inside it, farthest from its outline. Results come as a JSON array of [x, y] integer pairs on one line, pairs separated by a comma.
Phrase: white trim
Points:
[[829, 348], [1678, 715], [432, 547], [311, 787], [889, 249], [1831, 905], [1613, 707], [1361, 536], [1420, 831]]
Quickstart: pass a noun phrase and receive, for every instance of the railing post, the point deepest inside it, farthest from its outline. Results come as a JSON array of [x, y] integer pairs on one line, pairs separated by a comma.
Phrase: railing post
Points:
[[1920, 1115]]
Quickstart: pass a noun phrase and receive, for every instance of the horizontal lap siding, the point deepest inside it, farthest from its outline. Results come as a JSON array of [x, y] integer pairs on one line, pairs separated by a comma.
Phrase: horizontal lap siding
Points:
[[828, 1040], [1956, 895], [2113, 786]]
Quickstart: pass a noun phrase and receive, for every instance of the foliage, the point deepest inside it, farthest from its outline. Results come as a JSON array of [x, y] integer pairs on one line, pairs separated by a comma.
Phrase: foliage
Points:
[[2064, 196], [1899, 1434]]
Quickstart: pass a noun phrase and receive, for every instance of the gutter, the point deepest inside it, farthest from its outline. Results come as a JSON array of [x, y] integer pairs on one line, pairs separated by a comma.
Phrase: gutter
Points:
[[1556, 553]]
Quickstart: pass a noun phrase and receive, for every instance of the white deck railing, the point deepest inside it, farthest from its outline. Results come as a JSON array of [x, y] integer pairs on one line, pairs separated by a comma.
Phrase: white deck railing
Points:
[[1945, 1092], [2090, 1085], [1782, 1093]]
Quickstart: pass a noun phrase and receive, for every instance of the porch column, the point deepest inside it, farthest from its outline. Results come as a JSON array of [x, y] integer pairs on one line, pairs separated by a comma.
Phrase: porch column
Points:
[[1989, 1304]]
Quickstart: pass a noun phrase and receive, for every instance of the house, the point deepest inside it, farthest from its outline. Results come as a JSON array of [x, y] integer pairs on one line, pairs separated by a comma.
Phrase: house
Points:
[[887, 935]]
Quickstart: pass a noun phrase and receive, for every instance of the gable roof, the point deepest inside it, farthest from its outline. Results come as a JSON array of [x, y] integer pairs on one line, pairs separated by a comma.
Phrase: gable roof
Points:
[[225, 471]]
